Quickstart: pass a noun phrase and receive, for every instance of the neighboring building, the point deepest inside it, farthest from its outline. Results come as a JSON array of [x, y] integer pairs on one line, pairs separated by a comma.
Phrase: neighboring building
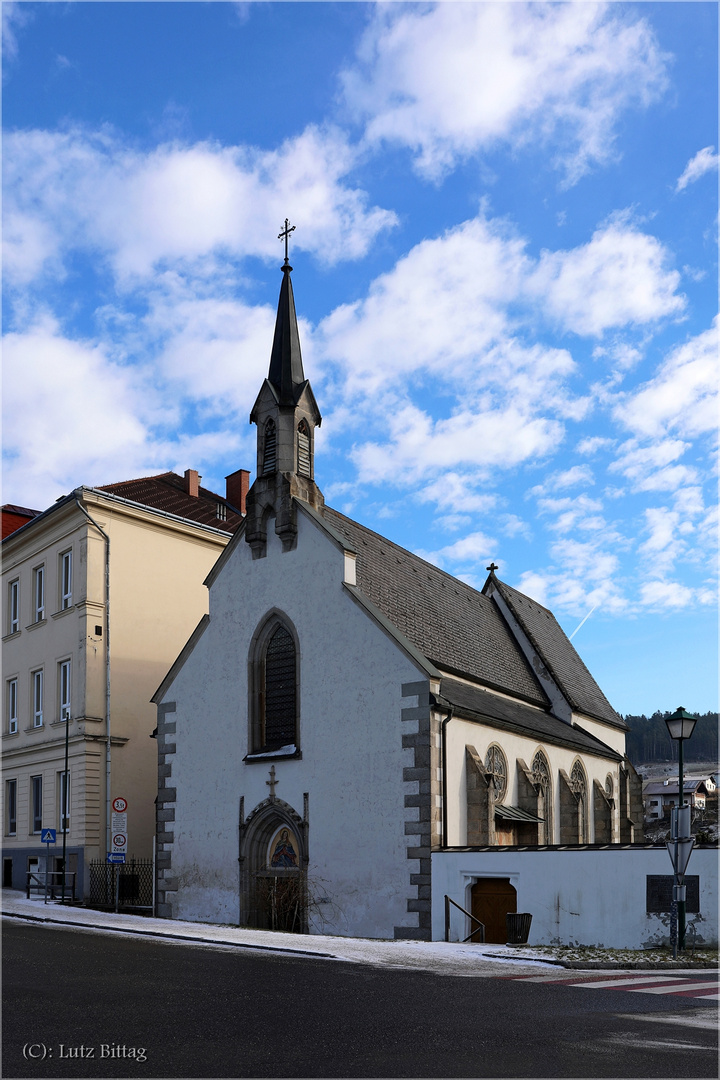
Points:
[[150, 542], [659, 796], [346, 710], [14, 517]]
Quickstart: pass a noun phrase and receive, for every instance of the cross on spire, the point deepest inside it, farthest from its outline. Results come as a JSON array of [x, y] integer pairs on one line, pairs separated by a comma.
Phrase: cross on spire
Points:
[[284, 236], [272, 782], [492, 567]]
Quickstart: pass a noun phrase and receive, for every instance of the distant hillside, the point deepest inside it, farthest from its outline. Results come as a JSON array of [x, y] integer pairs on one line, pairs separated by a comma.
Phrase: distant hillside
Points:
[[648, 739]]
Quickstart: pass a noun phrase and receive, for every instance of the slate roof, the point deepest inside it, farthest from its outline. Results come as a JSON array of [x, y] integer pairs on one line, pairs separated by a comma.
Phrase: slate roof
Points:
[[166, 491], [657, 787], [452, 624], [549, 639], [474, 703]]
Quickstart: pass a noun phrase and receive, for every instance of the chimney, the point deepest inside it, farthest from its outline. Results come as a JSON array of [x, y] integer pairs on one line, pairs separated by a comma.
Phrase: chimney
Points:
[[237, 485], [192, 483]]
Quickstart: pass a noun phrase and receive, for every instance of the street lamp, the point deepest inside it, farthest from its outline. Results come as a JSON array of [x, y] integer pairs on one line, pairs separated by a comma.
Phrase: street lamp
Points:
[[680, 727]]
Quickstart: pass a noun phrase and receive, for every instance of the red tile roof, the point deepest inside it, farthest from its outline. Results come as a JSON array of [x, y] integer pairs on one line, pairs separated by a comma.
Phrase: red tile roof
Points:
[[168, 492], [14, 517]]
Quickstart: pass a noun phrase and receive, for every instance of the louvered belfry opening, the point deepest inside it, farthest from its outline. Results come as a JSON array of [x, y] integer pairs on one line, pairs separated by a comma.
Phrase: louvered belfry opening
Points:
[[280, 690], [303, 449], [270, 448]]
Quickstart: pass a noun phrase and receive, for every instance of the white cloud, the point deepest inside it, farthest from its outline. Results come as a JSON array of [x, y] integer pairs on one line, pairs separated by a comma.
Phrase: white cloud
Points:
[[474, 548], [451, 80], [704, 161], [682, 396], [54, 388], [593, 443], [74, 412], [419, 445], [653, 468], [566, 478], [14, 16], [140, 211], [619, 278], [666, 595]]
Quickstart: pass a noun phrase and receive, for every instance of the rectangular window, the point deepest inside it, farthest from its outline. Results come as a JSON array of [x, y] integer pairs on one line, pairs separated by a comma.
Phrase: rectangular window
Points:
[[66, 580], [11, 804], [14, 607], [64, 792], [36, 791], [12, 705], [39, 594], [64, 689], [37, 693]]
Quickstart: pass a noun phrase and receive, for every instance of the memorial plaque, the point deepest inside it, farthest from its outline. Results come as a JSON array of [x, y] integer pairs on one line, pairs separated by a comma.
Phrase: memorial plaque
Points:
[[659, 893]]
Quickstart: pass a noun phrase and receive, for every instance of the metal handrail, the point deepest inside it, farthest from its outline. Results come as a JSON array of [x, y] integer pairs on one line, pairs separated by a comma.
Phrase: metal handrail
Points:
[[40, 878], [480, 929]]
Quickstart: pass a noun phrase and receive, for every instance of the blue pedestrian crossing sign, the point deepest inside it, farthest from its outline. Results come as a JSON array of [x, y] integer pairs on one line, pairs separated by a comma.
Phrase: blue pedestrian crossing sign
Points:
[[48, 836]]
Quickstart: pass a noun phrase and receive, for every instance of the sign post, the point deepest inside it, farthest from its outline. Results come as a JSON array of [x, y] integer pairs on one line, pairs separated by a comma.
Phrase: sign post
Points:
[[47, 837], [118, 833]]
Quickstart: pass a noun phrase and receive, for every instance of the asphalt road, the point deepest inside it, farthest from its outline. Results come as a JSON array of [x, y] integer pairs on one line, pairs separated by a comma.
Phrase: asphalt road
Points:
[[85, 1004]]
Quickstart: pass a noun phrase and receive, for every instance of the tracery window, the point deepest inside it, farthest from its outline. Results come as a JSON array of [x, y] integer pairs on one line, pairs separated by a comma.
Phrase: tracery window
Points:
[[303, 449], [270, 448], [578, 784], [542, 781], [274, 688], [609, 788], [496, 766]]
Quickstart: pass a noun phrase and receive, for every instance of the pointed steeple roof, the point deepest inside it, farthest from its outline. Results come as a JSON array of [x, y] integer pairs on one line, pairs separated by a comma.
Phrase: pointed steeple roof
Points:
[[286, 369]]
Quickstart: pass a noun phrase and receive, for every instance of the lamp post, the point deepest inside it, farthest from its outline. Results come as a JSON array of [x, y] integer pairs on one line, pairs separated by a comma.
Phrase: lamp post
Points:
[[680, 727]]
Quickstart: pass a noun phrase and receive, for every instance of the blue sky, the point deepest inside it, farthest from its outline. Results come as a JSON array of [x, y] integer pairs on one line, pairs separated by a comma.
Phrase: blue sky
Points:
[[505, 268]]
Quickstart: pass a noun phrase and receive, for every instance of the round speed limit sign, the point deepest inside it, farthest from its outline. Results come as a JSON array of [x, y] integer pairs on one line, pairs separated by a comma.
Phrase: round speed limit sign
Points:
[[119, 805], [119, 840]]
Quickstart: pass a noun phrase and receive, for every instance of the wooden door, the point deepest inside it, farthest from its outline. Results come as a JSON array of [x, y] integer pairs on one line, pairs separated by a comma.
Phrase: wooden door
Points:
[[492, 900]]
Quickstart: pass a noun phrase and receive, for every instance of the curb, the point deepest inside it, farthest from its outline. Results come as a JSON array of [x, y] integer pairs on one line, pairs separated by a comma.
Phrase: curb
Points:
[[158, 934]]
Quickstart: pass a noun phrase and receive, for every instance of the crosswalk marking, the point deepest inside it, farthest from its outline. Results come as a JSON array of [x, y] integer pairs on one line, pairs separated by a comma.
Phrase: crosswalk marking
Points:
[[696, 986]]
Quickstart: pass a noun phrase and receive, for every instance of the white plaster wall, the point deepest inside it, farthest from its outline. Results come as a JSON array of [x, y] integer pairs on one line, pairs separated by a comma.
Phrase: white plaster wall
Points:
[[611, 736], [577, 896], [462, 733], [350, 725]]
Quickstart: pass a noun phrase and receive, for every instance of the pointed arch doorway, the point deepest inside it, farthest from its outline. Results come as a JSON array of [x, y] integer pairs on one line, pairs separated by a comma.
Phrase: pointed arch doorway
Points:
[[491, 900], [273, 869]]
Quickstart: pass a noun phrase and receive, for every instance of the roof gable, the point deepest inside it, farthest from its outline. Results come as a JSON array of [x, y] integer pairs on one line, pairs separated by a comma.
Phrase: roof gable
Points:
[[559, 655]]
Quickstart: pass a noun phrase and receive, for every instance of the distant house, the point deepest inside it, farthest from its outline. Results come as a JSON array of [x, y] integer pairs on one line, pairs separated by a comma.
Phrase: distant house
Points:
[[660, 795]]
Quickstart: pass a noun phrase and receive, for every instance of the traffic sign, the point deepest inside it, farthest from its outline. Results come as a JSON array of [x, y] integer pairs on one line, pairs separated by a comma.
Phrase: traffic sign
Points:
[[116, 856], [119, 841], [119, 805], [48, 836]]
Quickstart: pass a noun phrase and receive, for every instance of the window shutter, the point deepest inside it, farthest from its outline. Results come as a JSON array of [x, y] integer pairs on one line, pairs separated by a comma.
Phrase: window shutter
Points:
[[280, 691], [270, 449], [303, 449]]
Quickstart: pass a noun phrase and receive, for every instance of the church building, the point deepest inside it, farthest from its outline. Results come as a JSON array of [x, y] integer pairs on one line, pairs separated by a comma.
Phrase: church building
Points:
[[346, 710]]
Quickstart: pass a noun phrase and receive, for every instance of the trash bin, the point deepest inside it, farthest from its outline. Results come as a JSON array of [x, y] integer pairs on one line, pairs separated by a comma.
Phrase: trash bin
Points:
[[518, 927]]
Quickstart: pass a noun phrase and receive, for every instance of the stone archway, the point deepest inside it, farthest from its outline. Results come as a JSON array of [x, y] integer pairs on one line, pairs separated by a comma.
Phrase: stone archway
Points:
[[273, 868]]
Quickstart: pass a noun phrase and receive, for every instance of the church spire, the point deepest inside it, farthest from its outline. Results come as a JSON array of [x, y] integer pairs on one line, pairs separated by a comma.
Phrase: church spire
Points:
[[286, 415], [286, 369]]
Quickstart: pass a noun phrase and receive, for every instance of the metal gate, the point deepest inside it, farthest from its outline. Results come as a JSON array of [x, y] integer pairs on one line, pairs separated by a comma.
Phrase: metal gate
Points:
[[129, 885]]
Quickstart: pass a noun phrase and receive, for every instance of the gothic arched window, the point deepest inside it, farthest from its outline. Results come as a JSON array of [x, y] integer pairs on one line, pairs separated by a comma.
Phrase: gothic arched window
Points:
[[543, 786], [269, 448], [496, 766], [274, 689], [303, 449], [578, 783]]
